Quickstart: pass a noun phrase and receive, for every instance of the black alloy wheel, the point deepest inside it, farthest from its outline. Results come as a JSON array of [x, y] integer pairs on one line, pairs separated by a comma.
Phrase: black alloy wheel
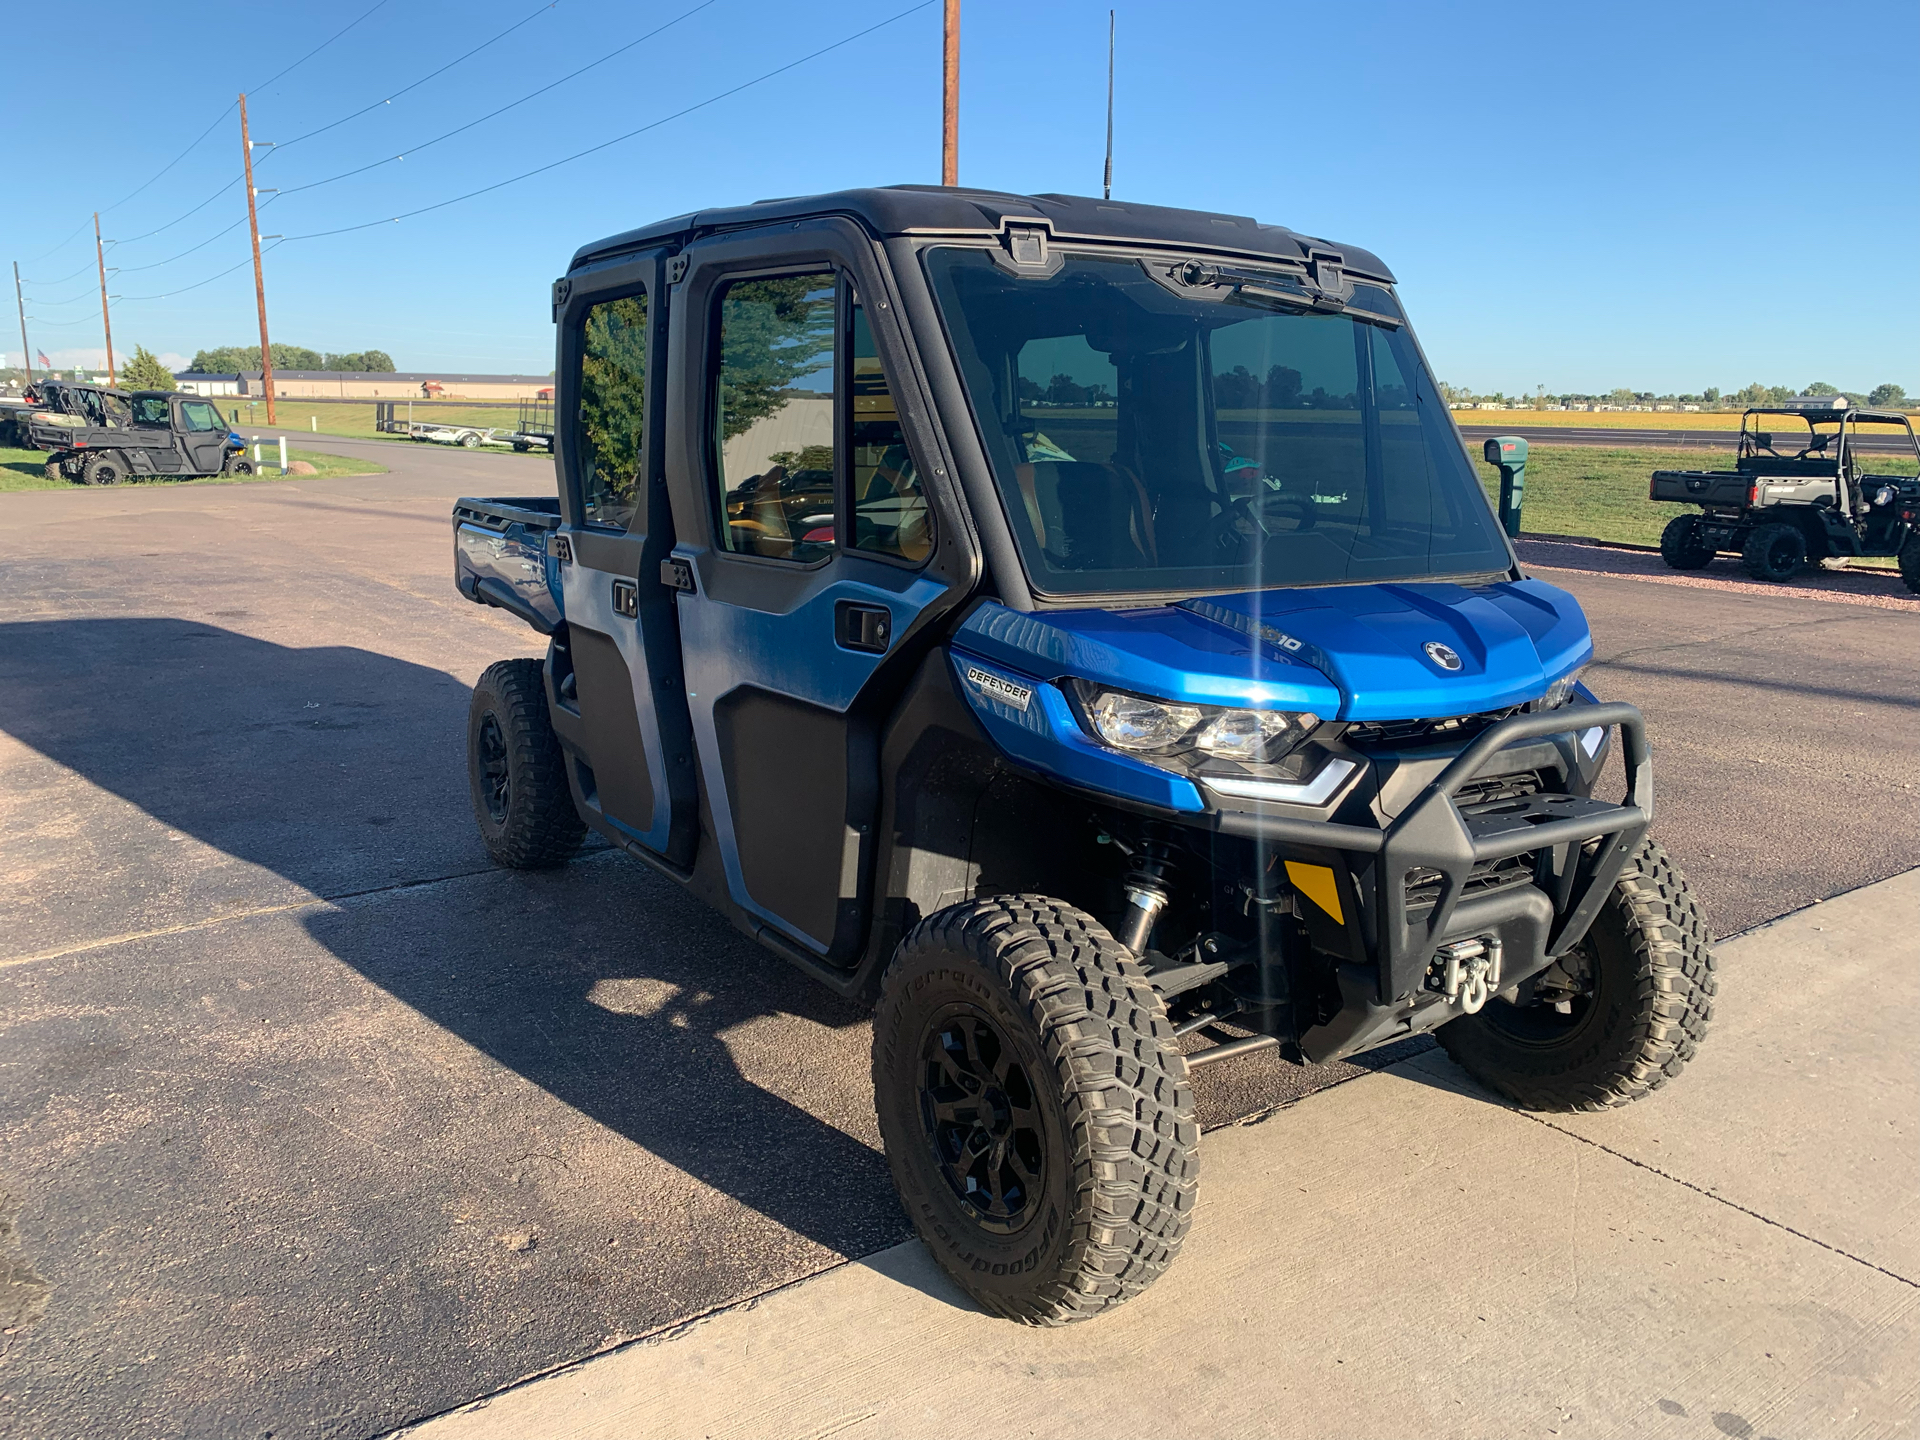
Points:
[[983, 1120], [1774, 552], [497, 781], [516, 774], [104, 468]]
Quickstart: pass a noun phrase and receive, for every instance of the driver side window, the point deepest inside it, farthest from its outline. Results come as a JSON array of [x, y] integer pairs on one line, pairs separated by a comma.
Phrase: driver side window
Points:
[[773, 417]]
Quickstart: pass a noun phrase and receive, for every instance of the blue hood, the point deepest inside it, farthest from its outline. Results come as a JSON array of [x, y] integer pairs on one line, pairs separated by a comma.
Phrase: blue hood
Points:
[[1348, 652]]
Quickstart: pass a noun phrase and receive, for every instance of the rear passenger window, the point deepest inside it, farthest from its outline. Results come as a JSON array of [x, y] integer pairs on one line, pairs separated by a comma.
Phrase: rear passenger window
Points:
[[611, 446], [889, 507], [773, 408]]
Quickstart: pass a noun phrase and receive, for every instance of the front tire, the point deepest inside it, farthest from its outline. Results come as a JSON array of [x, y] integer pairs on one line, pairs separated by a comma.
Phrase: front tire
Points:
[[1035, 1108], [1774, 552], [516, 773], [1910, 562], [1648, 980], [239, 466], [1681, 546], [470, 440]]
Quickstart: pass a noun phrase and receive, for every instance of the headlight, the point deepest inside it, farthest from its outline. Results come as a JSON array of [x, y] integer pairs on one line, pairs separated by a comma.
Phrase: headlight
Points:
[[1561, 690], [1190, 737]]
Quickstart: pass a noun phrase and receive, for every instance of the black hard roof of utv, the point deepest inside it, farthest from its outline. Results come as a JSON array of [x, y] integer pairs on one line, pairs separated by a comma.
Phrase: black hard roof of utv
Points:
[[937, 210]]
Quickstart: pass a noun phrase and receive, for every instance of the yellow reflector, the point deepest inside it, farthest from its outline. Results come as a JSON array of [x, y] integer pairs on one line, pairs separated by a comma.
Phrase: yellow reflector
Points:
[[1316, 882]]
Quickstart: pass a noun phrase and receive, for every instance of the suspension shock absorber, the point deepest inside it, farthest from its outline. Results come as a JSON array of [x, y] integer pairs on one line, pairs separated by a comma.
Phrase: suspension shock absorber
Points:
[[1147, 889]]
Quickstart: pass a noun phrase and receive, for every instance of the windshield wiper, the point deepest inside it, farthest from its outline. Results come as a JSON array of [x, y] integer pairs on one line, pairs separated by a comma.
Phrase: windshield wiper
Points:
[[1267, 289]]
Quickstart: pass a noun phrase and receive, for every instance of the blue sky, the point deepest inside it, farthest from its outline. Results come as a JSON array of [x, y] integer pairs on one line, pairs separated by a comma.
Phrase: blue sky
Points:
[[1666, 196]]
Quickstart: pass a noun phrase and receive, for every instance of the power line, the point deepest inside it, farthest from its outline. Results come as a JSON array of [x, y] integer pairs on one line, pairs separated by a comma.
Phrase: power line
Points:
[[417, 83], [170, 164], [198, 283], [156, 264], [63, 279], [318, 48], [225, 185], [491, 114], [206, 132], [618, 139]]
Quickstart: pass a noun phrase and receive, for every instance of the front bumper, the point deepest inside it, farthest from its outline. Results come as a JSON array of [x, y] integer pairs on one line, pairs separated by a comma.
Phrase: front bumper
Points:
[[1439, 849]]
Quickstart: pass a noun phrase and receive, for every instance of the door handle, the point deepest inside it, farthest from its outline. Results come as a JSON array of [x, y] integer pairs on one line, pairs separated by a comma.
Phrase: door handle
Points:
[[862, 627], [626, 599]]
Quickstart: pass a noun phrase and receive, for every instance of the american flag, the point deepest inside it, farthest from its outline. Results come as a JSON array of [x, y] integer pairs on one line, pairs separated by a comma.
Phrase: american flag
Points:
[[45, 363]]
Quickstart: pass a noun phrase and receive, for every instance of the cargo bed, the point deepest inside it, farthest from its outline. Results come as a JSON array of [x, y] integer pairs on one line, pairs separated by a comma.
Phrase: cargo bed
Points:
[[500, 557]]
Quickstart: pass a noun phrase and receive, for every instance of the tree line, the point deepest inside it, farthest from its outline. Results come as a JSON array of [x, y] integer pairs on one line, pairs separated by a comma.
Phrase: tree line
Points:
[[233, 359], [1887, 397]]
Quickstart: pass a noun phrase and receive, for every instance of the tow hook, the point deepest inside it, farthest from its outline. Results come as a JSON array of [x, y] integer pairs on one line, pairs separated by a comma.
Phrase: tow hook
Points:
[[1467, 972]]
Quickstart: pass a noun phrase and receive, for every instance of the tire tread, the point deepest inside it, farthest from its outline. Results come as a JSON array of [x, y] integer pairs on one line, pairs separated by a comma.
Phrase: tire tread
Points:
[[1132, 1135]]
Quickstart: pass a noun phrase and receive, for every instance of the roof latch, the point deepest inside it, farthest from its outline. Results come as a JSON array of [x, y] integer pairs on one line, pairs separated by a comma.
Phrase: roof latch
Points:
[[1327, 277], [562, 288]]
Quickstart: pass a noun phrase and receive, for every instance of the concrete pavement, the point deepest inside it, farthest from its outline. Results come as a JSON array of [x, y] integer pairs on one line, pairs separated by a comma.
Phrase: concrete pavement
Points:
[[1738, 1254]]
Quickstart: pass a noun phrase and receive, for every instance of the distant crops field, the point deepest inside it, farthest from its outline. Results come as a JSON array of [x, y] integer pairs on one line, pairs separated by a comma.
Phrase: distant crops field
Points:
[[1605, 419]]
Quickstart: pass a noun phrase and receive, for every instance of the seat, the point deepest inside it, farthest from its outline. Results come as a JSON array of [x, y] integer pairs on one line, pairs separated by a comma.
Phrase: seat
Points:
[[1088, 516]]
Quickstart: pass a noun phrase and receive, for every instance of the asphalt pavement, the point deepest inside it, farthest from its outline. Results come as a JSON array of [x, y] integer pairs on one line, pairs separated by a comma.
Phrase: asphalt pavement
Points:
[[311, 1122]]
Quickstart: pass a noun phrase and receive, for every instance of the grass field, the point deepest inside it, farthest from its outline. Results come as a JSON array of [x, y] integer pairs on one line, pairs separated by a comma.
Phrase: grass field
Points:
[[1601, 493], [25, 470], [355, 418]]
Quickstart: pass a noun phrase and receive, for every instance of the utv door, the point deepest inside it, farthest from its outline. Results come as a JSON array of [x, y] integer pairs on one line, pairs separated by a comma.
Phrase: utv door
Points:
[[806, 537], [201, 433], [615, 678]]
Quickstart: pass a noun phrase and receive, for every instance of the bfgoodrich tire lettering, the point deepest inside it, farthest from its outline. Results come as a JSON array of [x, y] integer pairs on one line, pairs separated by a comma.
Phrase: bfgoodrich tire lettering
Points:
[[1111, 1111], [516, 773], [1652, 988]]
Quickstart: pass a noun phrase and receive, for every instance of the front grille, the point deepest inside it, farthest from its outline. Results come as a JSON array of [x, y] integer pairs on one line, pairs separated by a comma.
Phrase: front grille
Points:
[[1416, 732], [1423, 883]]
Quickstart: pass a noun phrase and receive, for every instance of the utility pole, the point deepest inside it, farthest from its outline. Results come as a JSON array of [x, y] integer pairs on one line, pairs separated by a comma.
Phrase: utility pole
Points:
[[259, 282], [950, 120], [1106, 185], [26, 354], [106, 320]]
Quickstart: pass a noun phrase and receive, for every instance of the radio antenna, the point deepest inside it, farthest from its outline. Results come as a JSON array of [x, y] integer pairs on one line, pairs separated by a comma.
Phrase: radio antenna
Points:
[[1107, 184]]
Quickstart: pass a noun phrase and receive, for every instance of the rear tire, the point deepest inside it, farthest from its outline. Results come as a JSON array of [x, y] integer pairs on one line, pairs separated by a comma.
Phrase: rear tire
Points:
[[108, 467], [1648, 1001], [1910, 562], [1035, 1108], [1774, 552], [1681, 546], [470, 440], [516, 773]]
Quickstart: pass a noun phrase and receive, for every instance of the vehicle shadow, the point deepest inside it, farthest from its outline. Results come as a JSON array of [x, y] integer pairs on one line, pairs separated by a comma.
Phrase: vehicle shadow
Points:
[[607, 987]]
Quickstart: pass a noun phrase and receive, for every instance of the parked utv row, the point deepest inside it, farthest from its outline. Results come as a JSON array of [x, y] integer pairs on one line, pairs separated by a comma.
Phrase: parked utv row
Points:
[[101, 436], [1793, 502], [1076, 628]]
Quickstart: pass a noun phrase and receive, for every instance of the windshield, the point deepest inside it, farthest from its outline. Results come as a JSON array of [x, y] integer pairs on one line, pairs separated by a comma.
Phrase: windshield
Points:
[[1152, 436]]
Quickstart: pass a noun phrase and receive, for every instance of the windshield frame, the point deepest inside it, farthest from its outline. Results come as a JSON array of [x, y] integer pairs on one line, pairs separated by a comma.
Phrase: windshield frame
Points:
[[1042, 591]]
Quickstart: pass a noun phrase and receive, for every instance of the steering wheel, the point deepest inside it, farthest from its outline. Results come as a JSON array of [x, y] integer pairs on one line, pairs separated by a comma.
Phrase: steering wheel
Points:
[[1245, 519]]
